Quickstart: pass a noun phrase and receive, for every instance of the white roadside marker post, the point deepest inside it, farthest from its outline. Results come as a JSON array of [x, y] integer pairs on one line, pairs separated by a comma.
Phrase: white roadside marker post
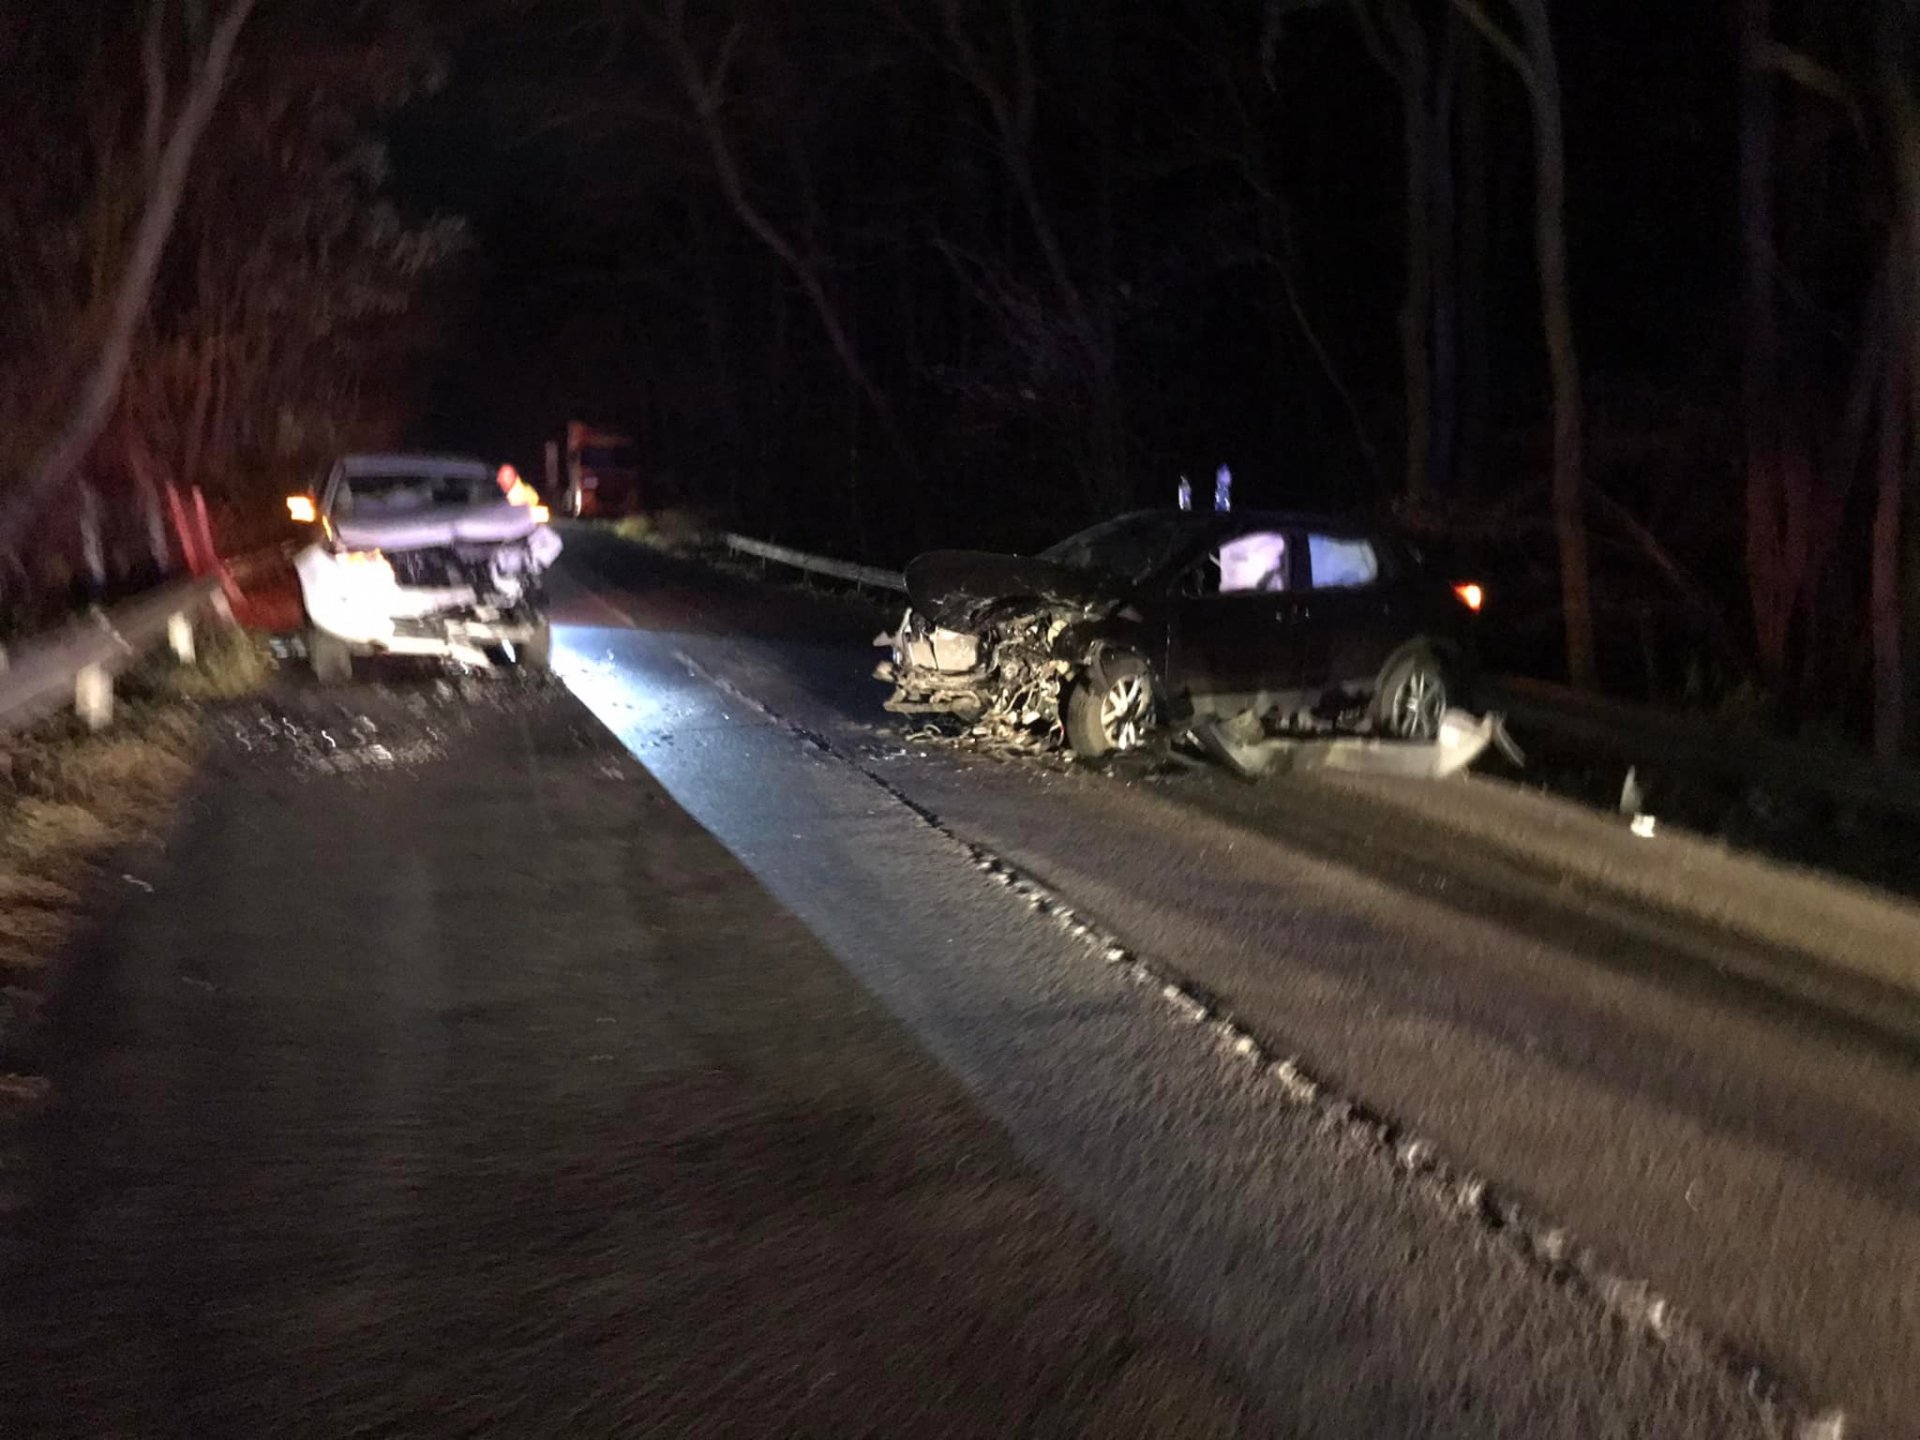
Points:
[[93, 697], [180, 637]]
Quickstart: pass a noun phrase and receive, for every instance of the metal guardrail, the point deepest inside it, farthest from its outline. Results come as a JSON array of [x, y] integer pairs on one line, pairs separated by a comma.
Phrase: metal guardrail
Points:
[[76, 664], [1670, 739], [818, 564], [1641, 733]]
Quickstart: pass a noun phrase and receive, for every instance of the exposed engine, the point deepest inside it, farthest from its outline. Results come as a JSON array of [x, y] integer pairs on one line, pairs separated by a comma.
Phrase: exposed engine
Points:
[[498, 575], [1006, 683]]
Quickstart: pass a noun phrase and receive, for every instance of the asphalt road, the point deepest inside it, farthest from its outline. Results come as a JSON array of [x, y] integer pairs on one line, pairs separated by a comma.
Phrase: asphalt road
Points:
[[725, 1065], [449, 1080], [1727, 1121]]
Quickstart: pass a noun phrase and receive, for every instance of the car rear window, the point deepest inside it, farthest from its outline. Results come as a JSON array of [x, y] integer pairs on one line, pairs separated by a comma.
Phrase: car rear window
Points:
[[1340, 563]]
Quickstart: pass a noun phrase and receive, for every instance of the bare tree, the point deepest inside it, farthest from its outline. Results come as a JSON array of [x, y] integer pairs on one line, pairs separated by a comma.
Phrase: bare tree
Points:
[[1900, 413], [1398, 44], [1247, 150], [1011, 95], [1534, 59], [169, 163], [705, 85]]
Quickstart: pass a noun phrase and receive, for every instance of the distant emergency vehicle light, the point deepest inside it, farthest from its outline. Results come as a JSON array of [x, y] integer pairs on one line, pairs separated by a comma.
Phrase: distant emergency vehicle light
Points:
[[1470, 595]]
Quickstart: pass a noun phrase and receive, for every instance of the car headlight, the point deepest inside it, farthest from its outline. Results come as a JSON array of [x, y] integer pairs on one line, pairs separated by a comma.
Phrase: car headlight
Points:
[[368, 564]]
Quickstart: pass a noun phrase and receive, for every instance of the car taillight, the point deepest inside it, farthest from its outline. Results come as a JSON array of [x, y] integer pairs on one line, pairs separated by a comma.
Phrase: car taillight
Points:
[[1469, 594]]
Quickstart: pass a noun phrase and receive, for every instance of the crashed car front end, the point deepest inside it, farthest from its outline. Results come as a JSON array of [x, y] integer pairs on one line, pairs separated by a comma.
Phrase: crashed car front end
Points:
[[1007, 680], [992, 641], [456, 600]]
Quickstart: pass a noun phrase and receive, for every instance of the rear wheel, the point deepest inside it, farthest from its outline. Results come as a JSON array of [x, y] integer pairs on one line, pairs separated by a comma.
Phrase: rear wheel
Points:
[[1412, 697], [536, 651], [329, 656], [1114, 713]]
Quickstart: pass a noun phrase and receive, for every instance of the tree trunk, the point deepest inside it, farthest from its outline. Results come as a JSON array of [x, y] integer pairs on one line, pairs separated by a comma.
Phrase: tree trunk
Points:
[[1012, 108], [1769, 587], [58, 462], [1444, 227], [1399, 46], [1473, 202], [1416, 309], [1900, 420], [1542, 72], [1409, 64], [1110, 422], [1889, 684], [701, 91]]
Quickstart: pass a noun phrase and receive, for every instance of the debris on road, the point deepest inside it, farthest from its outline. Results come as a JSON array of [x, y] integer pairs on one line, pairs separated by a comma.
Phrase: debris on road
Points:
[[1463, 738]]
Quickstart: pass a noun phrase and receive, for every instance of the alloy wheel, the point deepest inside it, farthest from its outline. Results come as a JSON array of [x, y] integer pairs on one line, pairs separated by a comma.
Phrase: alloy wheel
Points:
[[1126, 712], [1419, 704]]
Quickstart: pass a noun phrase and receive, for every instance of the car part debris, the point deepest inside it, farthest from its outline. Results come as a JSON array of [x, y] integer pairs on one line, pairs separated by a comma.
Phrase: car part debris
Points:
[[1463, 738]]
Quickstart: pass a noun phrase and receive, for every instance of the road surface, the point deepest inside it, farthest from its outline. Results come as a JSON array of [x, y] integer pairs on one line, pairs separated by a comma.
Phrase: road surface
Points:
[[1727, 1121], [687, 1054]]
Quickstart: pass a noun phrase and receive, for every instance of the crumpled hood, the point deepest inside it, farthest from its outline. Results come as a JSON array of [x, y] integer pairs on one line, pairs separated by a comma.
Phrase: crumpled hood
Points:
[[443, 525], [955, 588]]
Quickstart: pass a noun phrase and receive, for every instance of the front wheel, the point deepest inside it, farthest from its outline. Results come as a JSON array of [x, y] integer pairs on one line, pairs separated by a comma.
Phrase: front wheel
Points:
[[1114, 714], [1412, 698]]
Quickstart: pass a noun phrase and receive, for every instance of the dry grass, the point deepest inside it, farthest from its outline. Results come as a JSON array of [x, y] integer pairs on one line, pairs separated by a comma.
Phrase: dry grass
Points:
[[70, 800], [672, 529]]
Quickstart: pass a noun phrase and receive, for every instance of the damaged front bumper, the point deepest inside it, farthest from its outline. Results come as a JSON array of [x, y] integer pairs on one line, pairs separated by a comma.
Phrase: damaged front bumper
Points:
[[1006, 685], [451, 602]]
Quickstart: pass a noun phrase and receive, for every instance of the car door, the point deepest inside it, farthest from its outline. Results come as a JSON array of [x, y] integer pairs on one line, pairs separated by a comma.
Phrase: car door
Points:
[[1234, 625], [1350, 619]]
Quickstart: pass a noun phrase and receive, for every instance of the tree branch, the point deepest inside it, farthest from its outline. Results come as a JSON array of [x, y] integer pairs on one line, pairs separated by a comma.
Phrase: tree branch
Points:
[[153, 66], [1504, 44], [1773, 57], [58, 462]]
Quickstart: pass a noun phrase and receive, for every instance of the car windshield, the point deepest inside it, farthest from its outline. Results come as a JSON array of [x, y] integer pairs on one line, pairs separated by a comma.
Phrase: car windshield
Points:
[[1131, 546], [377, 494]]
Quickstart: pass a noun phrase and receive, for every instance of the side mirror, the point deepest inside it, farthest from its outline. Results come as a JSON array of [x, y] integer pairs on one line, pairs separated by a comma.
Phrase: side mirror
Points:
[[302, 510]]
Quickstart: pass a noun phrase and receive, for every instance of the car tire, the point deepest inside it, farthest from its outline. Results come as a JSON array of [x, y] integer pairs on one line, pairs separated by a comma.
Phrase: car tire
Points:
[[536, 651], [1413, 695], [329, 656], [1114, 713]]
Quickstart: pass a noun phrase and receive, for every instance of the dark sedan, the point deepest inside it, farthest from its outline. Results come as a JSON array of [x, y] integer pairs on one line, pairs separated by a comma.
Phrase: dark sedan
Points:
[[1153, 618]]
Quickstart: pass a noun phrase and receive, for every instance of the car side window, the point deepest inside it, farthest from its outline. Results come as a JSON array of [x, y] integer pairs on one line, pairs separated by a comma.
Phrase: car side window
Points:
[[1341, 563], [1254, 563]]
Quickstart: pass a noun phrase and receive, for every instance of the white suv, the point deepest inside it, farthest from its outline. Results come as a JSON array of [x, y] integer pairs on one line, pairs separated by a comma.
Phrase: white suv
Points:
[[424, 555]]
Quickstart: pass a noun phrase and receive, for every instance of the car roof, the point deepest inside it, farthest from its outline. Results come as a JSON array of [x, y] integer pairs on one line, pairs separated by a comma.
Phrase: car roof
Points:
[[413, 463]]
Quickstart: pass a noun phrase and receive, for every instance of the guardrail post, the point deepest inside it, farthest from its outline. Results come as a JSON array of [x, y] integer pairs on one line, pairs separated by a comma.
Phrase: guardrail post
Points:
[[93, 697], [180, 637]]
